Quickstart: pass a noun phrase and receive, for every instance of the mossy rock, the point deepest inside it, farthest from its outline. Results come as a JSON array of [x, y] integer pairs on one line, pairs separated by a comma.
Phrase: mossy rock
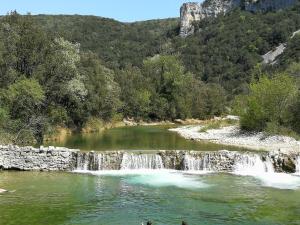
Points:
[[288, 165]]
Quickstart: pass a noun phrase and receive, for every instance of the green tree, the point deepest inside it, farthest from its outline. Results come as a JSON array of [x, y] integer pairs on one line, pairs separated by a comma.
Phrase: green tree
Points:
[[103, 92], [168, 79], [24, 100], [268, 103], [135, 91]]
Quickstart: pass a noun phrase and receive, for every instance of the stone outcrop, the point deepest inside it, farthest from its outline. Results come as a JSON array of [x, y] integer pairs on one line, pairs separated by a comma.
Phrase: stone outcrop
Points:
[[193, 11], [41, 159], [271, 56], [62, 159]]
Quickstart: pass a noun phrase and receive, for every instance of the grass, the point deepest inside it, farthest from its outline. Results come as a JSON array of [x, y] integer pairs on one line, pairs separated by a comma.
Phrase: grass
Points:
[[216, 124], [274, 129]]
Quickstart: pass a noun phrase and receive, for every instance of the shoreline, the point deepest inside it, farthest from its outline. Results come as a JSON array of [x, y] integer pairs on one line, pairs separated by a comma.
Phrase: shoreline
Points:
[[232, 136], [62, 132]]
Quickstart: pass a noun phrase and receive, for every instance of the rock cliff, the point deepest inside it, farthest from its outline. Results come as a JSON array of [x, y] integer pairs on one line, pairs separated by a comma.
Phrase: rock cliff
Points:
[[193, 11]]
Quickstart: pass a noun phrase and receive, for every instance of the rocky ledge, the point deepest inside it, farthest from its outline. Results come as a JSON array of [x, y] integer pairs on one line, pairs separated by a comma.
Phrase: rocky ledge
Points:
[[193, 11], [62, 159], [42, 159]]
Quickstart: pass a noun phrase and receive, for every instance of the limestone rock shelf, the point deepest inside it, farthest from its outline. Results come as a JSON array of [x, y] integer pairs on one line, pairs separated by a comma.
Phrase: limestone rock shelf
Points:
[[63, 159]]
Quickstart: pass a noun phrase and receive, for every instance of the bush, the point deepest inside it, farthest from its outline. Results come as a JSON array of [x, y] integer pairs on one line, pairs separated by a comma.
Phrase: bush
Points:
[[269, 102], [93, 125]]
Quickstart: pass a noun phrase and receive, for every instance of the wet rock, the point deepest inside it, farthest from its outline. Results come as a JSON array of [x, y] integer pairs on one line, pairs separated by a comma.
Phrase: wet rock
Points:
[[62, 159]]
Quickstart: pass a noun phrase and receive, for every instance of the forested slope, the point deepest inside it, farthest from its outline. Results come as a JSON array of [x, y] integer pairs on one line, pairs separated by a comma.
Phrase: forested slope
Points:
[[223, 50], [82, 71]]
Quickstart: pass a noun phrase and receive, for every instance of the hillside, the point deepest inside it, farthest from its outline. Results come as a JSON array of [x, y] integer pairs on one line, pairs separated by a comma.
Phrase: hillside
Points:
[[223, 50], [116, 43], [81, 72]]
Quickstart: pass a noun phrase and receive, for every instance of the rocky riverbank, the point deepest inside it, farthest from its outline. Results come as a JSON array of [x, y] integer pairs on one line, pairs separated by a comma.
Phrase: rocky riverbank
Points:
[[62, 159], [231, 135], [40, 159]]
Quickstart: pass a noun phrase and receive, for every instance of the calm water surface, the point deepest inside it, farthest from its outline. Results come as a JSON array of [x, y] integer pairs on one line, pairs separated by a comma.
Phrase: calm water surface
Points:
[[165, 198], [135, 138]]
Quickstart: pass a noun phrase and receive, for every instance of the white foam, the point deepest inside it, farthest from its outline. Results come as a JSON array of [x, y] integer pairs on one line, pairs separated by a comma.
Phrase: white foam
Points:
[[192, 180], [275, 180], [264, 171], [279, 180], [155, 178], [298, 165]]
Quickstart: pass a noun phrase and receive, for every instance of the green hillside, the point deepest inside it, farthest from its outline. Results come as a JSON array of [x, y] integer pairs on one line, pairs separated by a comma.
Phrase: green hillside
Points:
[[223, 50], [82, 71]]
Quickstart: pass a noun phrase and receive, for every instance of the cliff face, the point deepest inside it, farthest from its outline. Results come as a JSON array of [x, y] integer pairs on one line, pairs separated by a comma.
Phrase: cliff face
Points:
[[267, 5], [193, 11]]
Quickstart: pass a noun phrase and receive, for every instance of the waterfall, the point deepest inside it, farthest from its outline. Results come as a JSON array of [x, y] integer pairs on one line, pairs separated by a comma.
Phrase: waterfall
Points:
[[82, 162], [252, 164], [195, 164], [298, 165], [141, 161], [222, 161], [89, 161]]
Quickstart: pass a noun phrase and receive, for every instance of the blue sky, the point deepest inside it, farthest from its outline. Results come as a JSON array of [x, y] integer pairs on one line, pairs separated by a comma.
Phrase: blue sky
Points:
[[122, 10]]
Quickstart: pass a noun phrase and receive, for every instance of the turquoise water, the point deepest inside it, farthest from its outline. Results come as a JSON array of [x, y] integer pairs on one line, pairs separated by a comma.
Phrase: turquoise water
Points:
[[135, 138], [165, 197]]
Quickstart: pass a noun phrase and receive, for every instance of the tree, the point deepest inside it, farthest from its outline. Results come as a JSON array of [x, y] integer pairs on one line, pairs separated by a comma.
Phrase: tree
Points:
[[24, 100], [135, 91], [268, 103], [167, 77], [103, 92]]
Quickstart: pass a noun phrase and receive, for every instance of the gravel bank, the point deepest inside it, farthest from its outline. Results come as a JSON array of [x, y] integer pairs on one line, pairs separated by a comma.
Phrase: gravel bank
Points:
[[232, 135]]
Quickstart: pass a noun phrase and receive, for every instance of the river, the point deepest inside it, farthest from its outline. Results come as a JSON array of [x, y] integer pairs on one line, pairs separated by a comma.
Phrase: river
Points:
[[166, 198], [135, 138], [252, 194]]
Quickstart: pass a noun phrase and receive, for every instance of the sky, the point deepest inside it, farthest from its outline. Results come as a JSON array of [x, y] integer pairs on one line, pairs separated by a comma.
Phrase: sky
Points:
[[122, 10]]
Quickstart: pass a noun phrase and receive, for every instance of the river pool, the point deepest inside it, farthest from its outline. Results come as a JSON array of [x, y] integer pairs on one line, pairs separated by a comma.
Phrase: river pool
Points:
[[135, 138], [165, 197], [130, 197]]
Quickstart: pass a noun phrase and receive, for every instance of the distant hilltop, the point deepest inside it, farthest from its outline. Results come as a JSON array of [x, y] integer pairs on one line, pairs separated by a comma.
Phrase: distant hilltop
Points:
[[195, 11]]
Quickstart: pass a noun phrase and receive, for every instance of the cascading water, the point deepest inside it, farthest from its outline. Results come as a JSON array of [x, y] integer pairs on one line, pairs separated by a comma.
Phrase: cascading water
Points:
[[249, 164], [141, 161], [298, 165], [158, 168], [82, 162], [89, 161], [197, 164]]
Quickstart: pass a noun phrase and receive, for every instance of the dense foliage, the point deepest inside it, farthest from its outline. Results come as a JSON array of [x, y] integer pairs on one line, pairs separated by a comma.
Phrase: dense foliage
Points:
[[49, 82], [224, 50], [272, 104], [74, 71]]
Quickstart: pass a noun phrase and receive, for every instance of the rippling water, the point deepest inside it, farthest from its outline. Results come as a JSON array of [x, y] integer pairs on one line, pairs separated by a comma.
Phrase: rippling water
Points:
[[165, 197]]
